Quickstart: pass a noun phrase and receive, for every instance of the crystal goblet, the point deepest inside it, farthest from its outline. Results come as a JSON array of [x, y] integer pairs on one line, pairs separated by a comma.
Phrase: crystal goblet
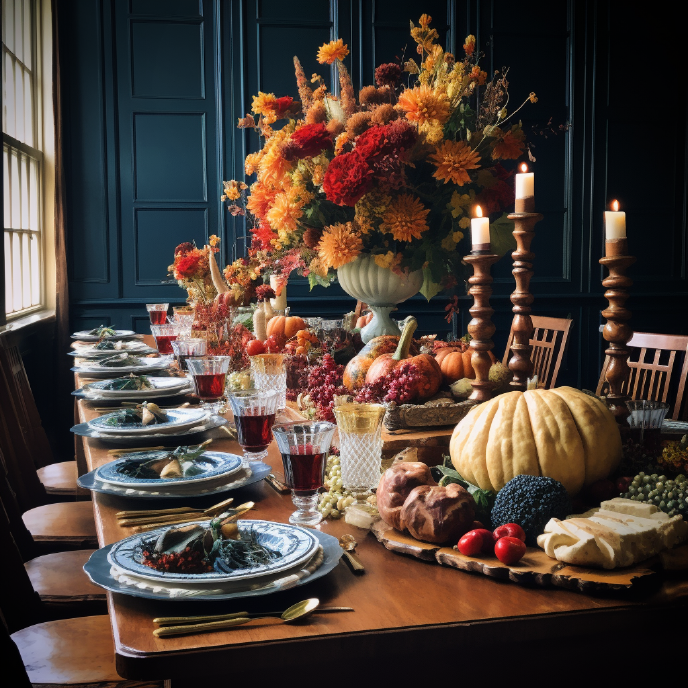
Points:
[[157, 312], [187, 348], [304, 448], [270, 373], [210, 376], [254, 414], [164, 336]]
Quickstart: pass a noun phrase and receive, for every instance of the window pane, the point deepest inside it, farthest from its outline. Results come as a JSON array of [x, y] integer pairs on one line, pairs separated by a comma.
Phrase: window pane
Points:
[[28, 108], [35, 272], [6, 195], [14, 187], [28, 48], [33, 195], [18, 29], [8, 273], [19, 101], [8, 122], [8, 23], [26, 271], [16, 273]]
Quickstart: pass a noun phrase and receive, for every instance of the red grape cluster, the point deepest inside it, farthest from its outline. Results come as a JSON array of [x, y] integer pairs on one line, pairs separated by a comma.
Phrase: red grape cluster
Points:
[[324, 383], [399, 386]]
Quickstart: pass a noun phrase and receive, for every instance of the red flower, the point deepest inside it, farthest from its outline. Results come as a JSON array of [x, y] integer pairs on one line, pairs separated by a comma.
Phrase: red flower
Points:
[[282, 105], [187, 267], [307, 141], [261, 237], [264, 291], [184, 248], [347, 179], [401, 135], [371, 142], [496, 198], [388, 74]]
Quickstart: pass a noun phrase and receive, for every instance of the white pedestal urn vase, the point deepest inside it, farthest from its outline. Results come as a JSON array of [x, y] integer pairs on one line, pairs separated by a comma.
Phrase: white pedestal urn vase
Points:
[[381, 289]]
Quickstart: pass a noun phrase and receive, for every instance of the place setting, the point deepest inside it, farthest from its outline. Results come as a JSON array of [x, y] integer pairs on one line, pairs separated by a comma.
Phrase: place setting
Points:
[[135, 388], [103, 332], [121, 363], [109, 347]]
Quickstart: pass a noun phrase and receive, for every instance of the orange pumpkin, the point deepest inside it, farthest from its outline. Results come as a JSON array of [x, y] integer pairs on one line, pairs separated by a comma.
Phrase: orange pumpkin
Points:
[[357, 368], [286, 326], [364, 320], [451, 366], [442, 353], [468, 366], [431, 375]]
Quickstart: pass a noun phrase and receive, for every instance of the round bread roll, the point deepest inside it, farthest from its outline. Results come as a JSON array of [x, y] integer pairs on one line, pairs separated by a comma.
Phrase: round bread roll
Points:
[[395, 485], [438, 514]]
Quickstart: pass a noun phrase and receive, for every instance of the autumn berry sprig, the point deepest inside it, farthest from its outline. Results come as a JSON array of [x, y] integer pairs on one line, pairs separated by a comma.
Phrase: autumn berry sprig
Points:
[[400, 386]]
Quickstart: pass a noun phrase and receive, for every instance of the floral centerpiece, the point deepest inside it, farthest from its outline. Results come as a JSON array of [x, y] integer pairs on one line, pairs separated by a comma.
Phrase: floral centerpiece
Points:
[[391, 173], [192, 270]]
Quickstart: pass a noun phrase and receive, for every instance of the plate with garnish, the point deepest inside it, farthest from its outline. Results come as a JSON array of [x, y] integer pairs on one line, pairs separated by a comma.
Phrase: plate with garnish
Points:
[[122, 363], [181, 466], [102, 332], [148, 418], [108, 347], [135, 388]]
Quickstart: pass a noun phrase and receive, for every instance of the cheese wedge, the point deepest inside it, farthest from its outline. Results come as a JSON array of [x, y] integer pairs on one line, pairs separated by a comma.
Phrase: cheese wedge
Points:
[[633, 508]]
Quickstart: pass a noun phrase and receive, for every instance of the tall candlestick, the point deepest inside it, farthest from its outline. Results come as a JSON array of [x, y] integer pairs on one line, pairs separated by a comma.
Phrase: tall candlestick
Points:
[[614, 223], [525, 183], [480, 231]]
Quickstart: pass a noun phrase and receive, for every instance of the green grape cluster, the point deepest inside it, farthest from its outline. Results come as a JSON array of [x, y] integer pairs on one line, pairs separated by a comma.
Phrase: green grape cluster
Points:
[[336, 499], [671, 496]]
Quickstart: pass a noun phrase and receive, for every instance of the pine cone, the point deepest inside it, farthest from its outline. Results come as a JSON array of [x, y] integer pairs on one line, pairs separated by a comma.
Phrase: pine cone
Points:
[[311, 237]]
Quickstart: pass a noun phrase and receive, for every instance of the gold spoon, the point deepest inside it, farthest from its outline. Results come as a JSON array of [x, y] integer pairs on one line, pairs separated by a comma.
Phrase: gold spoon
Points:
[[348, 544], [297, 611]]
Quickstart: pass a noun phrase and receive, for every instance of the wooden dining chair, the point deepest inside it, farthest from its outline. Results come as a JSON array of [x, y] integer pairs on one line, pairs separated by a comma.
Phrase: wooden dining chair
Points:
[[655, 373], [58, 478], [64, 652], [550, 337]]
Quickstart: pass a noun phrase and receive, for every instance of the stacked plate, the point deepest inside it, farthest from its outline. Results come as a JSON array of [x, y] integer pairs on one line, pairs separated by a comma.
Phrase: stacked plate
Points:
[[144, 366], [94, 336], [90, 351], [304, 556], [159, 387]]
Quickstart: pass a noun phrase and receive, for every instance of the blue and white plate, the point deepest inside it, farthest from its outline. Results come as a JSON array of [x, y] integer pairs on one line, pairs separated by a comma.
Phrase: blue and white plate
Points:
[[161, 387], [99, 571], [84, 335], [178, 419], [212, 465], [144, 367], [244, 477], [134, 347], [295, 544]]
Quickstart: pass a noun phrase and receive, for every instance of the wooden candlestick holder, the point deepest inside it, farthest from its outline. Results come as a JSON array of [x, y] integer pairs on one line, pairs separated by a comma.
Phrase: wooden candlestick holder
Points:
[[520, 363], [617, 331], [480, 327]]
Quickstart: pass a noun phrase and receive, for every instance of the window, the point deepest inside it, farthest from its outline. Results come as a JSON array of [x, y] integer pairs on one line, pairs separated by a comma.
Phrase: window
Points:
[[22, 155]]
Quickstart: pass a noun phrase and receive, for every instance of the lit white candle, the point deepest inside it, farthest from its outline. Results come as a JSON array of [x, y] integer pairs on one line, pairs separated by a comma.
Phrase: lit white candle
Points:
[[525, 183], [614, 223], [480, 228]]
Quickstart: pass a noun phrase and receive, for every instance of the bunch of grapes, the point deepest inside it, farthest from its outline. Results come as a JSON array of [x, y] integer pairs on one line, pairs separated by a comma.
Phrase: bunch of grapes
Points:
[[670, 496], [297, 374], [324, 383], [399, 386]]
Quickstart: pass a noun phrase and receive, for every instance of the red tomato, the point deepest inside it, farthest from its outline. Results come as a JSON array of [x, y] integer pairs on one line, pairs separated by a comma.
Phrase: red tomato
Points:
[[471, 543], [254, 347], [510, 530], [488, 540], [509, 550]]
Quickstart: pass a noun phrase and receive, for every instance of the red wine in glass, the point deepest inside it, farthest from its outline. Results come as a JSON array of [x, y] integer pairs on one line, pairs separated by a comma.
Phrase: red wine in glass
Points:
[[164, 342], [158, 317], [304, 472], [210, 387], [254, 431]]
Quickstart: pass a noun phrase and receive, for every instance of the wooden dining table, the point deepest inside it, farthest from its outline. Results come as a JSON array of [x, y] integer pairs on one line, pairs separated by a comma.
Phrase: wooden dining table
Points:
[[411, 617]]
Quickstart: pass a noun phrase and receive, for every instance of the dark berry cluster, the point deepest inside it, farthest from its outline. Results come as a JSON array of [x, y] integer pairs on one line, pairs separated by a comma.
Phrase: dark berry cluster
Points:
[[400, 386], [324, 383]]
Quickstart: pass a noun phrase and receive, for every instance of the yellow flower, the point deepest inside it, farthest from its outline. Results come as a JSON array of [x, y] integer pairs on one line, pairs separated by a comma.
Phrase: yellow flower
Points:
[[532, 98], [370, 209], [453, 159], [284, 214], [383, 260], [252, 161], [448, 243], [214, 240], [233, 190], [318, 175], [334, 50], [265, 104], [340, 142], [460, 202], [273, 167], [425, 20], [465, 222], [469, 45], [405, 219], [424, 106], [339, 245], [317, 267]]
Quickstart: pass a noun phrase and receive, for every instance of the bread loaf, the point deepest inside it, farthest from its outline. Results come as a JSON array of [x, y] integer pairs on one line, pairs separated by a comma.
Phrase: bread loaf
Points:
[[395, 485]]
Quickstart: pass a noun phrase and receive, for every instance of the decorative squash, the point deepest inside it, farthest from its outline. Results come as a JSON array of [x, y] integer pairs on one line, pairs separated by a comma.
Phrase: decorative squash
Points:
[[451, 366], [560, 433], [431, 375], [287, 326], [468, 366], [357, 368], [363, 321], [442, 353]]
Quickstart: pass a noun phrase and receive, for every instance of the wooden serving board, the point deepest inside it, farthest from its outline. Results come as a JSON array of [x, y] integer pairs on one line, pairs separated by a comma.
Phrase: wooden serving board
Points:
[[536, 568]]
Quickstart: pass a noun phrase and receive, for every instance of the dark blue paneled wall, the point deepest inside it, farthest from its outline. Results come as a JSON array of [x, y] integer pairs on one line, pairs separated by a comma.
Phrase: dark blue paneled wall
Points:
[[153, 89]]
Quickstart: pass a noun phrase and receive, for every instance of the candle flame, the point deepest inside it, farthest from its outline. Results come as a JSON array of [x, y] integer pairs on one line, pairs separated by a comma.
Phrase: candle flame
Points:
[[524, 167], [615, 206], [478, 211]]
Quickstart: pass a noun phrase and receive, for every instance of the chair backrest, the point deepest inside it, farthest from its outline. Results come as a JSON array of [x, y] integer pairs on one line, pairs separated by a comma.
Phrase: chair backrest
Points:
[[652, 361], [550, 338], [8, 499]]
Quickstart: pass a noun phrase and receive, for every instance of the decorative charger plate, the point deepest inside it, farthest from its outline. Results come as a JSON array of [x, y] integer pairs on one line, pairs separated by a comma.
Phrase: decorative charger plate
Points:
[[98, 569], [213, 464], [84, 335], [162, 387], [146, 365], [244, 477], [185, 434], [295, 544], [178, 419], [89, 351]]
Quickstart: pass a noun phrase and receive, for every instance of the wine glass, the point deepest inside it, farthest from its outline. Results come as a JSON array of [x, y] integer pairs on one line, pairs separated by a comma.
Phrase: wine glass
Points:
[[186, 348], [157, 312], [210, 376], [164, 336], [254, 414], [304, 448], [270, 373]]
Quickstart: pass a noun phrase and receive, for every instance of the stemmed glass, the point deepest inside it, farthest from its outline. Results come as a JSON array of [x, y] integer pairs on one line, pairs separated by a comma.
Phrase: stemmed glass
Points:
[[254, 414], [164, 336], [186, 348], [270, 373], [157, 312], [210, 376], [360, 448], [646, 418], [304, 448]]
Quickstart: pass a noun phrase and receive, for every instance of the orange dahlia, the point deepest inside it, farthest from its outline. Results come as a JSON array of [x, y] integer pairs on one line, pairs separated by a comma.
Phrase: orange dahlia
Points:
[[405, 218], [339, 245], [273, 166], [260, 200], [453, 159], [423, 106], [284, 213], [334, 50]]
